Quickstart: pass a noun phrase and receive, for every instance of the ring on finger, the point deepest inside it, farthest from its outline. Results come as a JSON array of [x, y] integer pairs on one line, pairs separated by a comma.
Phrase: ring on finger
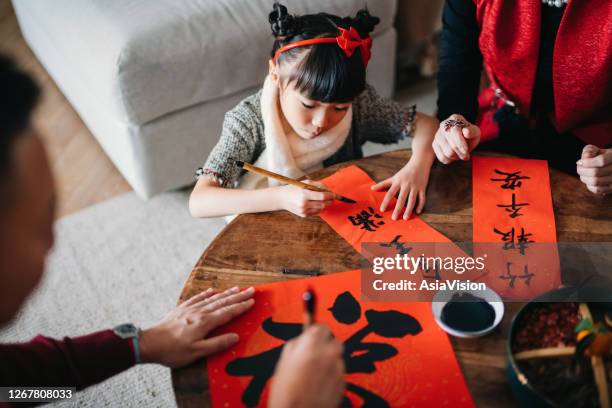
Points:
[[449, 123]]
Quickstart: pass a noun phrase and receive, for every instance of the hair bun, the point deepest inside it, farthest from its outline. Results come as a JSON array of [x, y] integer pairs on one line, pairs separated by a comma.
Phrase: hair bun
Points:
[[364, 22], [282, 23]]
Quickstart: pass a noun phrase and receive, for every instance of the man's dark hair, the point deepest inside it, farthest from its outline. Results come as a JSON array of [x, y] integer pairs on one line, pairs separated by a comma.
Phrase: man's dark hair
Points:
[[18, 96], [326, 74]]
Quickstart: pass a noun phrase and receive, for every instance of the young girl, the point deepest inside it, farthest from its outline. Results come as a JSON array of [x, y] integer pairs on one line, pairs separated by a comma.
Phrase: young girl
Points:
[[315, 109]]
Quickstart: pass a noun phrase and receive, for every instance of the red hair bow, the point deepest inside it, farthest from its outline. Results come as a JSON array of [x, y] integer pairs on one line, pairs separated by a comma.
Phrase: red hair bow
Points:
[[349, 40]]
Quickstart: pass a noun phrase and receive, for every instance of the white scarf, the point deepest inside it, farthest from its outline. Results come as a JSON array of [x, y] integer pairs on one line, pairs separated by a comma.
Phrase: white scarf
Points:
[[289, 154]]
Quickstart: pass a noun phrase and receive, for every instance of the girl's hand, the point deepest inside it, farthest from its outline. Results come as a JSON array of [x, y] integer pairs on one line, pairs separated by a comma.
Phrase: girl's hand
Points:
[[455, 142], [411, 183], [302, 202], [595, 169]]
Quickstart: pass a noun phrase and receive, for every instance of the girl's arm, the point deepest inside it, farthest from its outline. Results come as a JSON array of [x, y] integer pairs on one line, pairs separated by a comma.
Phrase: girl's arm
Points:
[[409, 184], [208, 199], [383, 120]]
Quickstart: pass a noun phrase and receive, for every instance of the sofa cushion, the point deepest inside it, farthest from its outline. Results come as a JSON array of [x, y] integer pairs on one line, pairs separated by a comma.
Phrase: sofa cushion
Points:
[[143, 59]]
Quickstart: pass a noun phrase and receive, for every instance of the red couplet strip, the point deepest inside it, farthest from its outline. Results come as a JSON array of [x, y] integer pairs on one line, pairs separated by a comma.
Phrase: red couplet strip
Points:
[[514, 225], [364, 223]]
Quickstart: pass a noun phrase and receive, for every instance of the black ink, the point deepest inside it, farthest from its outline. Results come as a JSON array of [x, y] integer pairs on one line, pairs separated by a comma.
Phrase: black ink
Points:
[[261, 366], [435, 277], [467, 312], [511, 278], [391, 323], [346, 309], [509, 239], [363, 219], [398, 245], [369, 399], [359, 356], [513, 208], [511, 181]]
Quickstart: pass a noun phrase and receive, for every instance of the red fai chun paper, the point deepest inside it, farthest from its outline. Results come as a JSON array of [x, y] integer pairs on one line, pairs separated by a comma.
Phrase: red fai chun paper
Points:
[[396, 355], [514, 225], [367, 229], [363, 222]]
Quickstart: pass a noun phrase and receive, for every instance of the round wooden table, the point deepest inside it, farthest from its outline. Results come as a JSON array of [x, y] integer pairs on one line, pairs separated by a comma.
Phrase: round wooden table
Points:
[[269, 247]]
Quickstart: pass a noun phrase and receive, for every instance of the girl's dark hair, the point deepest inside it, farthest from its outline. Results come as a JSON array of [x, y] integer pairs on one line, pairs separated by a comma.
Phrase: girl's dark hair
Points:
[[325, 74]]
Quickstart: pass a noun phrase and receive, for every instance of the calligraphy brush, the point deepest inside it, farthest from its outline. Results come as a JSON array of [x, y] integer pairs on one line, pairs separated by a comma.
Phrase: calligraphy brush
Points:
[[310, 301], [266, 173]]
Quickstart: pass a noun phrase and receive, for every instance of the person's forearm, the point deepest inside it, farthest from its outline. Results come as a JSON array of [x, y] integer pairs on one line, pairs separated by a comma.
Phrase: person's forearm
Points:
[[71, 362], [425, 130], [211, 201]]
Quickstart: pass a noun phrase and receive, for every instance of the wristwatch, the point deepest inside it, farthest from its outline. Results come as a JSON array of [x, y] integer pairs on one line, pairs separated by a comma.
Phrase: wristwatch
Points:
[[129, 331]]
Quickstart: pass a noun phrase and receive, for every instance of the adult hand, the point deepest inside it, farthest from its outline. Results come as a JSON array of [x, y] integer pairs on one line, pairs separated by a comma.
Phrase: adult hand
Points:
[[454, 142], [310, 372], [302, 202], [182, 336], [595, 169], [409, 184]]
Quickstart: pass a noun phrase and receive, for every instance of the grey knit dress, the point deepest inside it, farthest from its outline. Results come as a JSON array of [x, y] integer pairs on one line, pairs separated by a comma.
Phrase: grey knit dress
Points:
[[375, 119]]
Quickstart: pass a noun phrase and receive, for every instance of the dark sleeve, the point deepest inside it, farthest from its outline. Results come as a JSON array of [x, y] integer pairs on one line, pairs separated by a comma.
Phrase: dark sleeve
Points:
[[71, 362], [460, 61], [382, 120]]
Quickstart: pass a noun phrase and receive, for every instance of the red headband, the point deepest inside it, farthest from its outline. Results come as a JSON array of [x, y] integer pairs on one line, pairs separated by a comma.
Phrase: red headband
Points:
[[347, 40]]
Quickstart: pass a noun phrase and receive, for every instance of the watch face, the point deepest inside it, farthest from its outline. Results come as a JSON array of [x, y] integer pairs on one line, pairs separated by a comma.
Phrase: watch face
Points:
[[126, 331]]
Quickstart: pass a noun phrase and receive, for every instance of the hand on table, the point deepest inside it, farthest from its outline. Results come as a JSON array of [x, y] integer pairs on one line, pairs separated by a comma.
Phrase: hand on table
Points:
[[302, 202], [409, 185], [181, 337], [310, 372], [455, 142], [595, 169]]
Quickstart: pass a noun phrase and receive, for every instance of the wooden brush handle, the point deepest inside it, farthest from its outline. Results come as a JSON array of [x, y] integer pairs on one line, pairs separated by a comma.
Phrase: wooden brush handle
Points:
[[266, 173], [548, 352]]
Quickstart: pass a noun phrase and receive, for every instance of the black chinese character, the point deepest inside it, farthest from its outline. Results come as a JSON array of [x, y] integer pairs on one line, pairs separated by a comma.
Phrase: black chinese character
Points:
[[509, 239], [526, 276], [359, 356], [364, 220], [435, 269], [511, 181], [513, 208], [398, 245]]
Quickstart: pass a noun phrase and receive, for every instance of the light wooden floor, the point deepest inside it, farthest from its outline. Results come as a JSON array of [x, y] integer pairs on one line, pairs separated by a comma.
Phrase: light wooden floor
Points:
[[84, 174]]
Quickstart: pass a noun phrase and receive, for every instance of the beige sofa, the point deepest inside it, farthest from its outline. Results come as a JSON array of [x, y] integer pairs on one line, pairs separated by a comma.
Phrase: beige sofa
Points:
[[153, 79]]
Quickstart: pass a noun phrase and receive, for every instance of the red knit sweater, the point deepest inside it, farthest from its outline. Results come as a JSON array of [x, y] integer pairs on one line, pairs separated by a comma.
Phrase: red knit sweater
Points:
[[71, 362]]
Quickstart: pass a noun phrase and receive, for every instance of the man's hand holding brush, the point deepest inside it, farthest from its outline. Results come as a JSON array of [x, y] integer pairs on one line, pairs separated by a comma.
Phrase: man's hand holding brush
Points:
[[310, 372]]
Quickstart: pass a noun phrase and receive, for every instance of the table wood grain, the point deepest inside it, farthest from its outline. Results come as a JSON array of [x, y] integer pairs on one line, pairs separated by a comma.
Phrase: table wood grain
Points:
[[269, 247]]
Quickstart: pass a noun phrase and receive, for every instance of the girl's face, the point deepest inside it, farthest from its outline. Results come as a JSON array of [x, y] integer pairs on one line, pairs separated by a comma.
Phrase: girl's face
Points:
[[306, 117]]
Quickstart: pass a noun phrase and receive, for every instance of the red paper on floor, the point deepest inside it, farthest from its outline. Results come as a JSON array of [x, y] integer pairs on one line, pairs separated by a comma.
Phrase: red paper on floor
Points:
[[514, 224], [422, 373]]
